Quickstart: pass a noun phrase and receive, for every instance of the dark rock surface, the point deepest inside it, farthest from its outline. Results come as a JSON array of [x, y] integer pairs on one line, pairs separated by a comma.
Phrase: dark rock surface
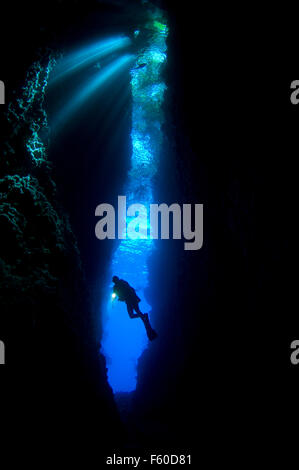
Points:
[[56, 393]]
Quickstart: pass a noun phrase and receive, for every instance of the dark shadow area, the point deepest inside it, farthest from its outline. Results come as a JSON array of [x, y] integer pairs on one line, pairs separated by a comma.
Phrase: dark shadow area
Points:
[[219, 375]]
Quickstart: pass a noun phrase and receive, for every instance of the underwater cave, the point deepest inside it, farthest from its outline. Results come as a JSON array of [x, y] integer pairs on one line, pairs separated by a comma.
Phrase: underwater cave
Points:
[[131, 98]]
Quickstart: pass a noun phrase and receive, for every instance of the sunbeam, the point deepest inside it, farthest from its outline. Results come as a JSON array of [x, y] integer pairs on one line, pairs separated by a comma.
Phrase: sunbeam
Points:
[[75, 61], [95, 83]]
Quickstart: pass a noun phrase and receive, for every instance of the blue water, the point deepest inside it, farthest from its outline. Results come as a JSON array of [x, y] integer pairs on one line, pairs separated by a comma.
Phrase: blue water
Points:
[[124, 339]]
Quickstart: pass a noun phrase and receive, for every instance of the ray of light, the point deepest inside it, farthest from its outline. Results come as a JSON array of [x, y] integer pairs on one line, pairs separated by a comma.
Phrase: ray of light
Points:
[[82, 96], [81, 58]]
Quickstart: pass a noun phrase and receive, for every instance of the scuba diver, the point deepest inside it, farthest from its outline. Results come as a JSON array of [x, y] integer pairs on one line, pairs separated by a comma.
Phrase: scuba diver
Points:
[[126, 293]]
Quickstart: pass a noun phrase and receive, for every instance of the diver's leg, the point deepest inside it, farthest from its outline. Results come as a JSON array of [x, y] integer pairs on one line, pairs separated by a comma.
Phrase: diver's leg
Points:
[[138, 311], [151, 334], [130, 312]]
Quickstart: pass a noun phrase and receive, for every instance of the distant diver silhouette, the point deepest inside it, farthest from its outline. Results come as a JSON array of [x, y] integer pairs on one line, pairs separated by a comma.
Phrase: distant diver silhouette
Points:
[[140, 66], [126, 293]]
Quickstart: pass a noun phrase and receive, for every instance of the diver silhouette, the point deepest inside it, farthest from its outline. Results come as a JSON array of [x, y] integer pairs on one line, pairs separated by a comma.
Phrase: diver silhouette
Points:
[[126, 293]]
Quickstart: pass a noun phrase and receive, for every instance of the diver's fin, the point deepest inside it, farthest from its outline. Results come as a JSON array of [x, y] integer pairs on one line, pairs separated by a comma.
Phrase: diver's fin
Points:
[[151, 333]]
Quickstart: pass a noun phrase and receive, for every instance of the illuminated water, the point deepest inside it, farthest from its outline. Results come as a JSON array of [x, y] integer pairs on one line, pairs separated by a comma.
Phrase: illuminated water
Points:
[[124, 339]]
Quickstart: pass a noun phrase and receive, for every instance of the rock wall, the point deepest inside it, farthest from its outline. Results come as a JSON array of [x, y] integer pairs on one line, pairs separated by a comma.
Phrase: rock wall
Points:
[[56, 391]]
